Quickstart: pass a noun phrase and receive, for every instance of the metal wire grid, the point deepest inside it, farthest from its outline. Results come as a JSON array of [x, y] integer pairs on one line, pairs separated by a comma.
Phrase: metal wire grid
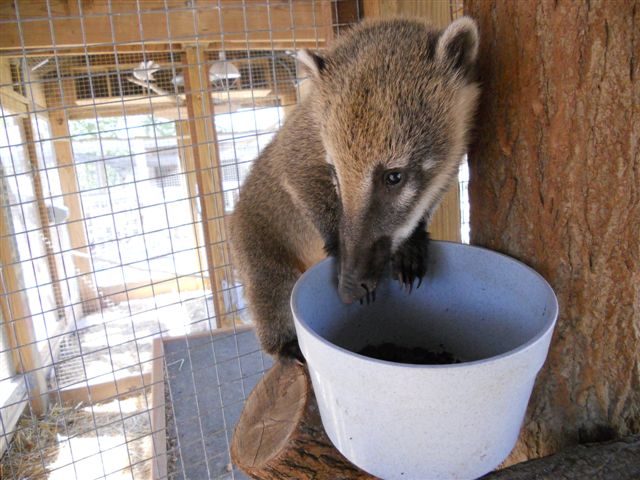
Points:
[[107, 337], [76, 343]]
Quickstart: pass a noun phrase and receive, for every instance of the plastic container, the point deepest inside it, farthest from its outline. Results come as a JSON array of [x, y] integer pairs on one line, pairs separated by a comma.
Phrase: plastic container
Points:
[[400, 421]]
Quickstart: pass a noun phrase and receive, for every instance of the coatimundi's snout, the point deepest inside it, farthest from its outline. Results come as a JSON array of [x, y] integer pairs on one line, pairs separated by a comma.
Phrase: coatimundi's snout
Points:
[[394, 121], [357, 168]]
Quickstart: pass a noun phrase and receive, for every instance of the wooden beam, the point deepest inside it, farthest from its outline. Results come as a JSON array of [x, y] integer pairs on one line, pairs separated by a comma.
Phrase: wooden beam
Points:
[[203, 140], [145, 289], [45, 234], [186, 161], [126, 108], [104, 391], [243, 25], [56, 97], [445, 224], [438, 11], [90, 50], [9, 98], [345, 14], [17, 315], [158, 412], [446, 221]]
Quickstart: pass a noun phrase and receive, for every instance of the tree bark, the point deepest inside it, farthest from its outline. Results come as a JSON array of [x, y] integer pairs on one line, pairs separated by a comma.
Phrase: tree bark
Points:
[[616, 460], [555, 182], [280, 435]]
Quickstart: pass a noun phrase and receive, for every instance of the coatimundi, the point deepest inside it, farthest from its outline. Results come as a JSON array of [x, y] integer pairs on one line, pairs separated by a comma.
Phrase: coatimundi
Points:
[[358, 168]]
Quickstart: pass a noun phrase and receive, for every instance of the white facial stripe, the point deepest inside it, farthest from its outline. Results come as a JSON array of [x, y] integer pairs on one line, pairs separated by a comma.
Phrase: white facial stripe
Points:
[[428, 164], [328, 159], [406, 196], [426, 202], [399, 164]]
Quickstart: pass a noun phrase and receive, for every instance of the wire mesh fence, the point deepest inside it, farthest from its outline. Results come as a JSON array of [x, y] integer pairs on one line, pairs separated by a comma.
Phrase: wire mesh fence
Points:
[[127, 128]]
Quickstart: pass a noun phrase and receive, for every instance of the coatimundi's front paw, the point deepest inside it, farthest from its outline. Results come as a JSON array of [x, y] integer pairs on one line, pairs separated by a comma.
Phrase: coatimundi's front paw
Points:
[[291, 351], [409, 262]]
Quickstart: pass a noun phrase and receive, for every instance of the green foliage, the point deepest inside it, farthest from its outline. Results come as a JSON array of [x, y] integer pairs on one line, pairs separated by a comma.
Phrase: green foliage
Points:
[[117, 127]]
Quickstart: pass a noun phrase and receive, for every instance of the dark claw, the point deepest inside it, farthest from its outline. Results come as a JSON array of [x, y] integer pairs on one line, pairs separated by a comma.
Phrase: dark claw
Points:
[[367, 290], [373, 295], [410, 260], [360, 301]]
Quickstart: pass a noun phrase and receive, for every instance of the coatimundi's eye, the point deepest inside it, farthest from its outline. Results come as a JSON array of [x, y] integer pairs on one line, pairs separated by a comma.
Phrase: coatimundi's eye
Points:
[[393, 178]]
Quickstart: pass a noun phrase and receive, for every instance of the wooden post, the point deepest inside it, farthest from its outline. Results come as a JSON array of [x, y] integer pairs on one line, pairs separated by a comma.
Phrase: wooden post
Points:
[[205, 155], [445, 224], [57, 98], [438, 11], [185, 153], [158, 412], [16, 314], [43, 214], [555, 183]]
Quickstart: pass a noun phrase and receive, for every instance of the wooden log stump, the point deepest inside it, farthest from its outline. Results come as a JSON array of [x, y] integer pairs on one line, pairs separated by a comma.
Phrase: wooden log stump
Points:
[[616, 460], [280, 435]]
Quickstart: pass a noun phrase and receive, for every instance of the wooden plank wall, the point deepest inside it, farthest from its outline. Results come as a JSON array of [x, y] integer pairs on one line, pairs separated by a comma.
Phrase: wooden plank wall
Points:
[[251, 24]]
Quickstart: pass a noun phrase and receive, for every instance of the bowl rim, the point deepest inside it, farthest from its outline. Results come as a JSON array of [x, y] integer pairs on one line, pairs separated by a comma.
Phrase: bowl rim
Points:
[[548, 327]]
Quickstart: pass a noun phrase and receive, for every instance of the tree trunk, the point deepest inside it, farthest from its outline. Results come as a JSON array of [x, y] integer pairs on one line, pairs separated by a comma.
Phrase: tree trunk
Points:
[[555, 175], [618, 459]]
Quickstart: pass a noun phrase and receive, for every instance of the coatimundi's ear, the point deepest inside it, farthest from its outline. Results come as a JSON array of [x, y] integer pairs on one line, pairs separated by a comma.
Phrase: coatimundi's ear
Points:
[[458, 44], [312, 61]]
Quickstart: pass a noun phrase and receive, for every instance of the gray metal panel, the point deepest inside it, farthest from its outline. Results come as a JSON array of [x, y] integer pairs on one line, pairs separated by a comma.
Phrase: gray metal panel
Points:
[[208, 379]]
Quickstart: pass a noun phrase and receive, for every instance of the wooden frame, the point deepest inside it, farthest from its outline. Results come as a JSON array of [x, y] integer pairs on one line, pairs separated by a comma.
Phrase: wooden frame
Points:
[[17, 321], [186, 159], [17, 316], [103, 391], [273, 24], [42, 212], [158, 412]]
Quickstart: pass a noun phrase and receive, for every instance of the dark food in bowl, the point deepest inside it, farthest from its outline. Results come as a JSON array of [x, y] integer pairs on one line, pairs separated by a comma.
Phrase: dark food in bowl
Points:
[[416, 355]]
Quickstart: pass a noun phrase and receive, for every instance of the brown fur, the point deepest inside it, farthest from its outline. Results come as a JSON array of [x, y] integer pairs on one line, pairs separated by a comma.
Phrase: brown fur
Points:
[[390, 95]]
